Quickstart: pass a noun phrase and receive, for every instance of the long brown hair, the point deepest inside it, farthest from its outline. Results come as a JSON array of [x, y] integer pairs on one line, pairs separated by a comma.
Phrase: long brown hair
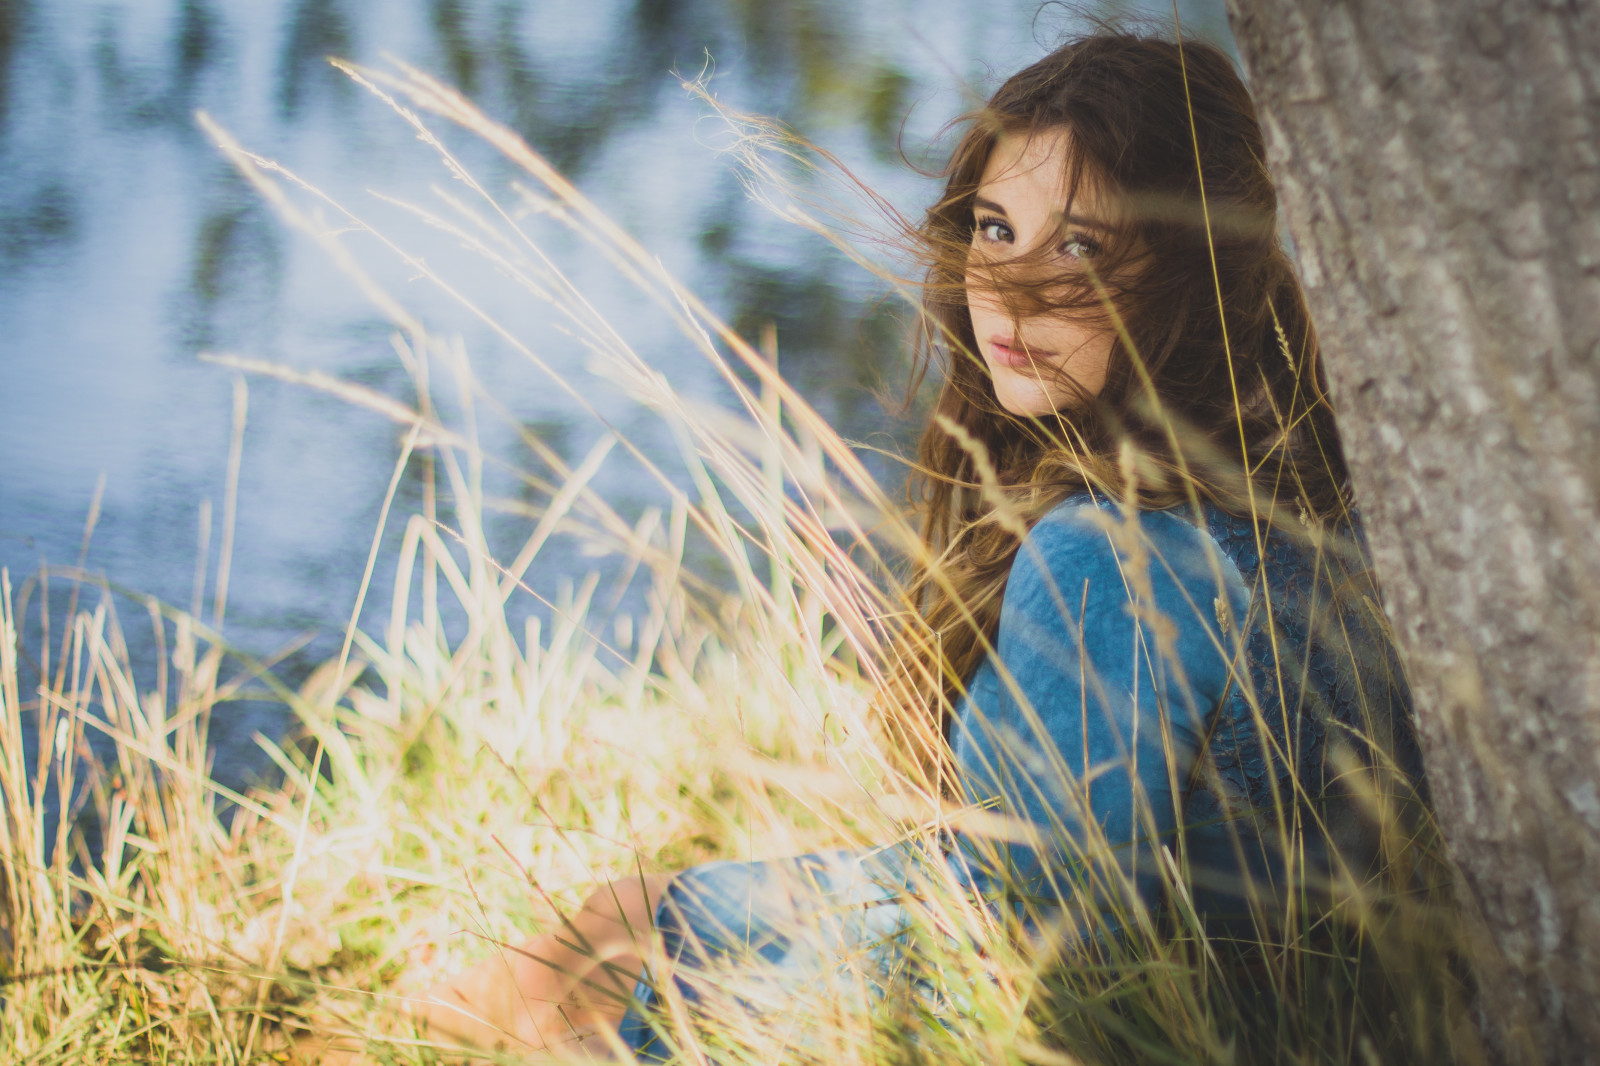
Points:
[[1214, 389]]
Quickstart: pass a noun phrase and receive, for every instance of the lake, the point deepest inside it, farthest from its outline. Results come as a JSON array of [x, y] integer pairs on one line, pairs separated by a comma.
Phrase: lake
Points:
[[129, 247]]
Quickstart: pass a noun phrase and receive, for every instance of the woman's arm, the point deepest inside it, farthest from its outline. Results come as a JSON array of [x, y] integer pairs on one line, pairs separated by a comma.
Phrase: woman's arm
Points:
[[1113, 648]]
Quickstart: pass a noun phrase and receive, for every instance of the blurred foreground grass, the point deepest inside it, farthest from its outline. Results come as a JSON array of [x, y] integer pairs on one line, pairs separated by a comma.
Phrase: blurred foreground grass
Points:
[[451, 791]]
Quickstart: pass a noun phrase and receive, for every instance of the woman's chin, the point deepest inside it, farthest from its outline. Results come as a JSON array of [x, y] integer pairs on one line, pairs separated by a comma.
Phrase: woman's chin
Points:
[[1024, 399]]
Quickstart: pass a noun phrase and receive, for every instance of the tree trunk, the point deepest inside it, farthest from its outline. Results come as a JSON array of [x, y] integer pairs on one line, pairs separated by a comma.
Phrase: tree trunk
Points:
[[1439, 164]]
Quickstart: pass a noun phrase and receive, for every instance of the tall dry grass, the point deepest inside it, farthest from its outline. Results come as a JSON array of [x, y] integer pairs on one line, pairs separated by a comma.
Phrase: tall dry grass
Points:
[[457, 788]]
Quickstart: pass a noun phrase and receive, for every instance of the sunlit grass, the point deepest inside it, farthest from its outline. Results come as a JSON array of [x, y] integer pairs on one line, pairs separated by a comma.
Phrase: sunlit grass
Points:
[[460, 785]]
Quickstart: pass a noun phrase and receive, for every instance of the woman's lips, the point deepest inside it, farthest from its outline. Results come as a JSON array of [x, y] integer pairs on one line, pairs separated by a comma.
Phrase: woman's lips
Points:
[[1008, 352]]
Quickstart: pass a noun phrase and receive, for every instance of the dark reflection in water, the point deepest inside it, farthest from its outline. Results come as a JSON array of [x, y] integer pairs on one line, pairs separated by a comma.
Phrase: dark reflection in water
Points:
[[195, 44], [127, 247], [317, 29], [238, 251], [46, 218], [12, 14]]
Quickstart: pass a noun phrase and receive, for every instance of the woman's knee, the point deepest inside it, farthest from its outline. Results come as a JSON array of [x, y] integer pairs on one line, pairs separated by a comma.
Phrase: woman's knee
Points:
[[618, 914]]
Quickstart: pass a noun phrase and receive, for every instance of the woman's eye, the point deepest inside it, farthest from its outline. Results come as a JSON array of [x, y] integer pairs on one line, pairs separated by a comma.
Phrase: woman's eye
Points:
[[1080, 247], [993, 230]]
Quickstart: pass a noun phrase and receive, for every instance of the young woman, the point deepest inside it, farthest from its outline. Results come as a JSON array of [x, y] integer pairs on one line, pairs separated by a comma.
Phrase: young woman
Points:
[[1143, 628]]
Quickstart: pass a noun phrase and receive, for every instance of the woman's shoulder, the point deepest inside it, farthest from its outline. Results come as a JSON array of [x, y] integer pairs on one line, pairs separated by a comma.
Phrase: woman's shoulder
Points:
[[1083, 511], [1084, 526], [1092, 552], [1094, 581], [1190, 540]]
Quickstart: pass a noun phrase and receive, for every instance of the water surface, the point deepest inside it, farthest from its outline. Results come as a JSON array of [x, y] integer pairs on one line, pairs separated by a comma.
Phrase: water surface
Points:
[[128, 247]]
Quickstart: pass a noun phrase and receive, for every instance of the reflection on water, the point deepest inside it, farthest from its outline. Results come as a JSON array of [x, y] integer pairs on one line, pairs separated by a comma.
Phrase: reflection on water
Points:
[[127, 247]]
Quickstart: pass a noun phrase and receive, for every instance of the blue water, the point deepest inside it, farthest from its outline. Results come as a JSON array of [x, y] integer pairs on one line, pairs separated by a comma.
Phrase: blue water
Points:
[[128, 246]]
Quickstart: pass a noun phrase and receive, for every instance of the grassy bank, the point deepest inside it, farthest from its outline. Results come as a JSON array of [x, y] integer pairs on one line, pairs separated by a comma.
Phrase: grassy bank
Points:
[[462, 786]]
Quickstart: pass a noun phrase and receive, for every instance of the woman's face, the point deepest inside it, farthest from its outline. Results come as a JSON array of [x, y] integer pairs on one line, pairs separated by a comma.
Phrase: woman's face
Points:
[[1020, 208]]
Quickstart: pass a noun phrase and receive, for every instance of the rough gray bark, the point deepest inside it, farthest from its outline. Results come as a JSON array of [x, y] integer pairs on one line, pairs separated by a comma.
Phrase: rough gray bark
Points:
[[1439, 163]]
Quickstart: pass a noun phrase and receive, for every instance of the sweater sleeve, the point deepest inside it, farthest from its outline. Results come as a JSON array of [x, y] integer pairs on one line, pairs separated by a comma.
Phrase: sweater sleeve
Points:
[[1082, 727]]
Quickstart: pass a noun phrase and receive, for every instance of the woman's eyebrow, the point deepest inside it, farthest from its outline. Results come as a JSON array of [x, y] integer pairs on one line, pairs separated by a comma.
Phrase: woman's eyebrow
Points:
[[1086, 222], [980, 204]]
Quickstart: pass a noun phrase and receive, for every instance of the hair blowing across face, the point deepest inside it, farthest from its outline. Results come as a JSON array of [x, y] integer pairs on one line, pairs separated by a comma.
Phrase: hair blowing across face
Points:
[[1214, 371]]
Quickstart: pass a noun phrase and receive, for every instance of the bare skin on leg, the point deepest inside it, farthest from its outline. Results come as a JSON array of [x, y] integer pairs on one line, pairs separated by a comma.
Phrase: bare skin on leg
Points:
[[556, 992]]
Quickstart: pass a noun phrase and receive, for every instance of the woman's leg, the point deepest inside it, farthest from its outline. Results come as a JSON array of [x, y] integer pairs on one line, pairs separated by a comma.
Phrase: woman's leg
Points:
[[558, 989]]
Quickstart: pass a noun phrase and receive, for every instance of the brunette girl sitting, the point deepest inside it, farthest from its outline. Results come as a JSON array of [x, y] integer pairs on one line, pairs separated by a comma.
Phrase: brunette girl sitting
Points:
[[1145, 631]]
